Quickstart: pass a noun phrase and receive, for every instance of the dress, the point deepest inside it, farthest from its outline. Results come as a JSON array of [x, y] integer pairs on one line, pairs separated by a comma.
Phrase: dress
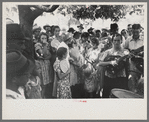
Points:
[[63, 85], [43, 65]]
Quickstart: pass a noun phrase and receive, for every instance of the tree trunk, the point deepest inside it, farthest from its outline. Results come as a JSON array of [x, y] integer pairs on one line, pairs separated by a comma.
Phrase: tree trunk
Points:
[[26, 24], [27, 17]]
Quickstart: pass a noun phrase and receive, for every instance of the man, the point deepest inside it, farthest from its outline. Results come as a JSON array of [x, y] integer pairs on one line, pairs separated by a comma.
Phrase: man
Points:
[[129, 29], [36, 31], [47, 28], [133, 43], [80, 28], [16, 41]]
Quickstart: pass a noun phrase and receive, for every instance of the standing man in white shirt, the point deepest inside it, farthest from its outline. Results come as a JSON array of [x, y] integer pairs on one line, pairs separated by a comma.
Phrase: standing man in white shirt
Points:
[[133, 43]]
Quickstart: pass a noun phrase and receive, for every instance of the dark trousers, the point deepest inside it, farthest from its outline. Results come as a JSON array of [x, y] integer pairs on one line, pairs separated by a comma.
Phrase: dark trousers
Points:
[[110, 83]]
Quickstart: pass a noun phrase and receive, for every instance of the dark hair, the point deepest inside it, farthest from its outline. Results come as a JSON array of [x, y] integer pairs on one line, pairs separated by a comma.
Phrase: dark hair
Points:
[[56, 26], [95, 41], [104, 34], [85, 34], [129, 25], [116, 35], [61, 51], [136, 26], [42, 33], [124, 30], [114, 27], [98, 31], [76, 35]]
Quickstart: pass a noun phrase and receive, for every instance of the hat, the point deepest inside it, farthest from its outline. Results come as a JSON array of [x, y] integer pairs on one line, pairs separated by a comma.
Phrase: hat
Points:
[[9, 21], [18, 63], [44, 27], [90, 29], [113, 27], [13, 31], [55, 43], [36, 27], [80, 26], [136, 26], [71, 30], [66, 37]]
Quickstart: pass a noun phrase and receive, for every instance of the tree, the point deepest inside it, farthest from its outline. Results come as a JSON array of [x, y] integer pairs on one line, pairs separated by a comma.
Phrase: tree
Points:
[[113, 12], [27, 15]]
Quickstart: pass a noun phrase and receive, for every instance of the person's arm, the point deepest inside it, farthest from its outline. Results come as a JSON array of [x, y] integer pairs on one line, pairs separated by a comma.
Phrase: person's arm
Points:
[[62, 75], [125, 44]]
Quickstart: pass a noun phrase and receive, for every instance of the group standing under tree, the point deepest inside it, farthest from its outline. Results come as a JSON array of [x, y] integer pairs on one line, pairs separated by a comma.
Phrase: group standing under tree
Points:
[[74, 64]]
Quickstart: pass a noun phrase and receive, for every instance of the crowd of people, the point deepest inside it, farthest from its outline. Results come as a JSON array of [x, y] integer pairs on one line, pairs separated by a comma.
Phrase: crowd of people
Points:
[[74, 63]]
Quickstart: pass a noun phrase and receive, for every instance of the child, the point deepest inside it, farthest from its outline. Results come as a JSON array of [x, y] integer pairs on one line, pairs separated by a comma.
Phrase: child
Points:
[[90, 81], [62, 74], [43, 61]]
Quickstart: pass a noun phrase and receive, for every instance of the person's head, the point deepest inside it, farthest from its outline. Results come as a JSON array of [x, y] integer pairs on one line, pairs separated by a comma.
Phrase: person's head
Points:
[[129, 29], [62, 53], [19, 68], [114, 28], [36, 30], [98, 33], [71, 30], [47, 28], [104, 34], [124, 33], [80, 27], [85, 37], [136, 29], [15, 37], [67, 39], [56, 30], [76, 35], [95, 42], [43, 37], [90, 30], [117, 40]]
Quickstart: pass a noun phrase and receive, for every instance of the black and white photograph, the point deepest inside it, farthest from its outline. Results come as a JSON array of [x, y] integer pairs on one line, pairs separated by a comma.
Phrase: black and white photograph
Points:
[[74, 60]]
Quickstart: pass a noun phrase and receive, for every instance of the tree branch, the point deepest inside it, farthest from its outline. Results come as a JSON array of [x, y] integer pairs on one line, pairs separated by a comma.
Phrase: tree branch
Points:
[[46, 8]]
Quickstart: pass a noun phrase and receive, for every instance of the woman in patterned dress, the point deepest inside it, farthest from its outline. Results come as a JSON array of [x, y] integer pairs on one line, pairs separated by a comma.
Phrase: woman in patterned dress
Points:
[[63, 80]]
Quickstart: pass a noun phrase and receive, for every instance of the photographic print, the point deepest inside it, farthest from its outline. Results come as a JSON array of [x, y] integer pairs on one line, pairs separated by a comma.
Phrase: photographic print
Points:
[[74, 60]]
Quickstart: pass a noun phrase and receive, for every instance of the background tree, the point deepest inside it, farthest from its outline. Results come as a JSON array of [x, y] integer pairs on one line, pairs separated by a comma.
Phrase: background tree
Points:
[[93, 12], [27, 15]]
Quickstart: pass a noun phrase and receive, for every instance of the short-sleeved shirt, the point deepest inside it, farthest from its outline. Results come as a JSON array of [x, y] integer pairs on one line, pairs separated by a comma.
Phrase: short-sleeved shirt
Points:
[[113, 52], [132, 44]]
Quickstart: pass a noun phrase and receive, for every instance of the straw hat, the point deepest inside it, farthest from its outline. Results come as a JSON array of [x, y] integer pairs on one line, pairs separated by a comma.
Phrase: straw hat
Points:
[[36, 27], [47, 25]]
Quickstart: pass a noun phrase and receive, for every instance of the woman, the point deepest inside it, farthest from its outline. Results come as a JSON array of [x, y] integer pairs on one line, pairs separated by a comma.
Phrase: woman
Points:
[[124, 33], [43, 62], [62, 75], [117, 80]]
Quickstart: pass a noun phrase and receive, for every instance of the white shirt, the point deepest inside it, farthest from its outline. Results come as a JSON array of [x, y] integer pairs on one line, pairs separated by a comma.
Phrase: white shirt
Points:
[[130, 43], [63, 44], [14, 95]]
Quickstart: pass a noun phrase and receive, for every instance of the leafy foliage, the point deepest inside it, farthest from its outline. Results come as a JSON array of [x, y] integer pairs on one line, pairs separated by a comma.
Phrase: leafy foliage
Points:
[[113, 12]]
